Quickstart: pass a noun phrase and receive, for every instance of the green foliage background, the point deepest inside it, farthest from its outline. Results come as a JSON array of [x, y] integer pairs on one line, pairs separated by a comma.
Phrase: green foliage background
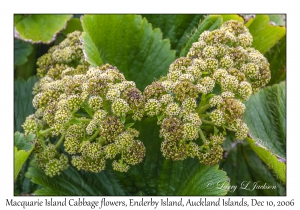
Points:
[[143, 47]]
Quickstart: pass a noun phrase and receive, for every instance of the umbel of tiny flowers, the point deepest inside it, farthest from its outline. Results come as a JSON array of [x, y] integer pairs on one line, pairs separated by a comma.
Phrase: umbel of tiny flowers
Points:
[[202, 95], [90, 110]]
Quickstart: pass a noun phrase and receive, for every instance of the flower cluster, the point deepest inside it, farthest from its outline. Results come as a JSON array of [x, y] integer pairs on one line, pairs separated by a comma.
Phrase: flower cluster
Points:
[[90, 109], [201, 96]]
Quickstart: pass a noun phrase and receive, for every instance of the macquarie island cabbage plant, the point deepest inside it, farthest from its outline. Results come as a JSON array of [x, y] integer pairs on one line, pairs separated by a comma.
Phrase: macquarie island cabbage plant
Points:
[[116, 109]]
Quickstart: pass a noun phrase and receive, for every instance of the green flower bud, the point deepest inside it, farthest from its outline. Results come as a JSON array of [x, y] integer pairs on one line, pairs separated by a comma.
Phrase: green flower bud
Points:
[[62, 116], [215, 101], [30, 125], [189, 104], [239, 55], [95, 102], [72, 145], [120, 107], [186, 77], [154, 91], [133, 132], [174, 150], [74, 102], [171, 129], [185, 90], [49, 113], [166, 99], [227, 94], [207, 84], [190, 131], [111, 127], [200, 64], [219, 74], [251, 70], [192, 118], [234, 26], [211, 65], [93, 150], [241, 132], [133, 97], [172, 109], [168, 85], [232, 109], [229, 83], [217, 139], [52, 168], [238, 74], [75, 131], [111, 151], [245, 90], [55, 166], [226, 62], [210, 154], [120, 166], [192, 150], [195, 72], [113, 94], [92, 126], [124, 141], [87, 164], [100, 115], [48, 97], [152, 107], [203, 36], [135, 153], [245, 40], [217, 117], [138, 115], [180, 64], [174, 76], [209, 52]]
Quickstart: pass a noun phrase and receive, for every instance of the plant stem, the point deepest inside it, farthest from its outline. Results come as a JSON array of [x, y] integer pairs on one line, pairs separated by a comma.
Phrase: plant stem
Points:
[[41, 140], [207, 122], [60, 141], [87, 109], [202, 109], [202, 136], [83, 120], [43, 132], [204, 115], [93, 136]]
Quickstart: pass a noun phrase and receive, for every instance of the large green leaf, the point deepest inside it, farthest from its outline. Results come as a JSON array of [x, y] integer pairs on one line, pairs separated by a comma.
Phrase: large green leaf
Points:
[[154, 176], [20, 156], [22, 150], [266, 118], [227, 17], [129, 43], [23, 185], [246, 170], [275, 163], [39, 28], [74, 24], [265, 35], [23, 143], [210, 23], [72, 182], [277, 59], [22, 101], [175, 27], [278, 19], [21, 51]]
